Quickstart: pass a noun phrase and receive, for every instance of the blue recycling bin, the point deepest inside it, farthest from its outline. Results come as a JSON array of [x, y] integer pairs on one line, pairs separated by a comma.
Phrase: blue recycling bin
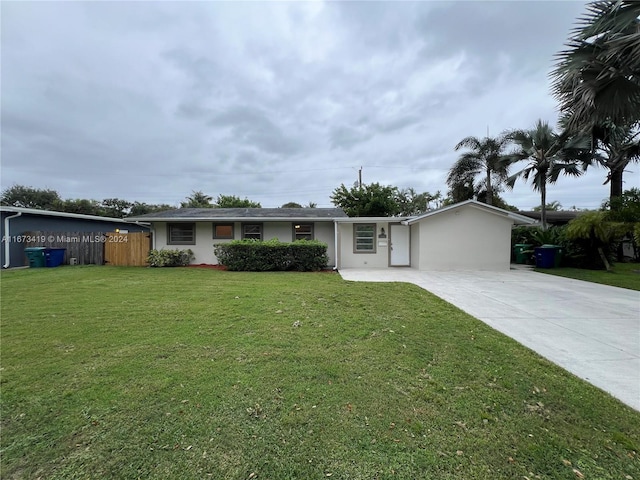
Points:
[[547, 256], [53, 257]]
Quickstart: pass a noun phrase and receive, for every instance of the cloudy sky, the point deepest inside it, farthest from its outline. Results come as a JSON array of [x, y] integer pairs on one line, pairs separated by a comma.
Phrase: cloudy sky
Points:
[[274, 101]]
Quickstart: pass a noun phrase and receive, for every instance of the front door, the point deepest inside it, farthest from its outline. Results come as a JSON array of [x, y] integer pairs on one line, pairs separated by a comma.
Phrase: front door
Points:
[[399, 239]]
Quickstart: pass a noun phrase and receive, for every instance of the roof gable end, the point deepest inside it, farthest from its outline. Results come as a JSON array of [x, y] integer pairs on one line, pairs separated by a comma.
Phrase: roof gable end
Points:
[[517, 218]]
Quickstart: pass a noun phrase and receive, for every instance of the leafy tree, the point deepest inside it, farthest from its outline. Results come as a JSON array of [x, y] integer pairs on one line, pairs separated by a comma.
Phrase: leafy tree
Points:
[[625, 208], [115, 207], [141, 208], [548, 154], [81, 205], [291, 205], [372, 200], [197, 199], [231, 201], [484, 159], [29, 197], [413, 203], [597, 78]]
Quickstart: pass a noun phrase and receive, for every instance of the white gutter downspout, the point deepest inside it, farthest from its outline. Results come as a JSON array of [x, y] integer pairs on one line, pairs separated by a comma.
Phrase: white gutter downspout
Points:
[[335, 244], [152, 231], [7, 242]]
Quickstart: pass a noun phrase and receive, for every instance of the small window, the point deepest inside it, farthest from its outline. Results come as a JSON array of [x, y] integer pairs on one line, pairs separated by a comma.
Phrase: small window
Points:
[[302, 231], [181, 233], [364, 240], [252, 231], [223, 231]]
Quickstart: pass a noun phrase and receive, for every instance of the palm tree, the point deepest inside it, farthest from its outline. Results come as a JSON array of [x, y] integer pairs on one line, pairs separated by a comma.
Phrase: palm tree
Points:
[[616, 147], [548, 155], [484, 159], [197, 200], [597, 78]]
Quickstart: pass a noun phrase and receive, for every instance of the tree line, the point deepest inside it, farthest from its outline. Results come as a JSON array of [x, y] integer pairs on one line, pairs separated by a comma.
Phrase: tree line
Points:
[[48, 199]]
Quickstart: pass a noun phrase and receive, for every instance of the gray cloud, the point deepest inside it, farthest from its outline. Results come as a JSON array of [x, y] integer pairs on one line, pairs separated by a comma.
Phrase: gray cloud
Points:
[[273, 101]]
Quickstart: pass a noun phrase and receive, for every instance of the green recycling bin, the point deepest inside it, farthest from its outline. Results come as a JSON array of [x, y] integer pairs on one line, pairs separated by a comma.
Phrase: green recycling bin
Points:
[[519, 249], [36, 257]]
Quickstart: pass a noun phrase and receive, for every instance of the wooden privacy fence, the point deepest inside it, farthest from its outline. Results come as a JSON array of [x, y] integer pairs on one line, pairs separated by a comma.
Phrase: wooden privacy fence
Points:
[[127, 249], [97, 248], [86, 247]]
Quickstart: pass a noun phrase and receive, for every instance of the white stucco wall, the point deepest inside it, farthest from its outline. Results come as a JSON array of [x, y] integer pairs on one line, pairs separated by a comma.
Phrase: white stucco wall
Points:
[[467, 238], [350, 259], [203, 248]]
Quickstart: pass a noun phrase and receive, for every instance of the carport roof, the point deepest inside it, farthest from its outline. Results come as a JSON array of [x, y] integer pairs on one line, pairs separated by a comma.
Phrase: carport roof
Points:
[[517, 218]]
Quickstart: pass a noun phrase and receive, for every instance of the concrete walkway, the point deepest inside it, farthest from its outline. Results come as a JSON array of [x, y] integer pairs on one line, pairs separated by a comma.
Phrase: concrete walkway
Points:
[[591, 330]]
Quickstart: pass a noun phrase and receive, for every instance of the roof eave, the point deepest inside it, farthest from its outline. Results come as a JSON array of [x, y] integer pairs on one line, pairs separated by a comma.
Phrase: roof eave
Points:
[[81, 216], [238, 219]]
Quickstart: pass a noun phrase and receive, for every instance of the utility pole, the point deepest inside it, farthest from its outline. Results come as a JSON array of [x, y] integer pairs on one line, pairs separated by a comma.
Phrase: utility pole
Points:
[[360, 178]]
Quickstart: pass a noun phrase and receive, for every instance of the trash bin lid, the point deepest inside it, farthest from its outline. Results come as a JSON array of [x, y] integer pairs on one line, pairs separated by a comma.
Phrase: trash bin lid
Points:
[[35, 249]]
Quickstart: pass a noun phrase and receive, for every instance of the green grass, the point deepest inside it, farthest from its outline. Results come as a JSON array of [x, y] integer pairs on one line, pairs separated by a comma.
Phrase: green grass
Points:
[[624, 275], [112, 372]]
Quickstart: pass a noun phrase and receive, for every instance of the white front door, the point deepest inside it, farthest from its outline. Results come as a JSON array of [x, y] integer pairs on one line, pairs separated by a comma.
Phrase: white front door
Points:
[[399, 238]]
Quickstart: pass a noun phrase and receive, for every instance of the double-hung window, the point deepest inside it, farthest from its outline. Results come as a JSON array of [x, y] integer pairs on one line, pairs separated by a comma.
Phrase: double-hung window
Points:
[[303, 231], [252, 231], [364, 240], [181, 234]]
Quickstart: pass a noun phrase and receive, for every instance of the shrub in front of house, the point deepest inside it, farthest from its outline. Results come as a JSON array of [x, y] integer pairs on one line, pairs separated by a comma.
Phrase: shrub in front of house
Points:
[[272, 255], [170, 258]]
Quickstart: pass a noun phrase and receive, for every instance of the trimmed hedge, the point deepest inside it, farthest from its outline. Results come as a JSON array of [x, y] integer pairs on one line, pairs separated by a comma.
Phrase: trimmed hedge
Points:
[[170, 258], [272, 255]]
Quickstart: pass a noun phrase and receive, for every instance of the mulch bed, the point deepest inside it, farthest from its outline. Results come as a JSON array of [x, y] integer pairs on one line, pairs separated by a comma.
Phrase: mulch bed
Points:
[[208, 265], [223, 268]]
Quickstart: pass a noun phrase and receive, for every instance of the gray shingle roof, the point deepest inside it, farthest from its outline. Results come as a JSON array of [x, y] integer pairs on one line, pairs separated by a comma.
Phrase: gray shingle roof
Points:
[[554, 217], [241, 213]]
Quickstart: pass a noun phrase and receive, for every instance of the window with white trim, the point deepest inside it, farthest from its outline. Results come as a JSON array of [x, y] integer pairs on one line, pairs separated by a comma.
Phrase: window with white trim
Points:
[[181, 233], [364, 238]]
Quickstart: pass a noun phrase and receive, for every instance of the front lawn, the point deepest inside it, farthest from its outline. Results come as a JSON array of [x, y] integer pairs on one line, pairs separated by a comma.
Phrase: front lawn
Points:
[[624, 275], [187, 373]]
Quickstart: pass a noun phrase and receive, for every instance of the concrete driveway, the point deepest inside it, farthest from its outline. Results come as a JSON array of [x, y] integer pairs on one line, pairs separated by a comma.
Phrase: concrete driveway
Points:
[[591, 330]]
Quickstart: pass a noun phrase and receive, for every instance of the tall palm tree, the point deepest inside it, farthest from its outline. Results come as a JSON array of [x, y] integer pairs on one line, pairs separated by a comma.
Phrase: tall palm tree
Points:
[[616, 147], [597, 78], [483, 159], [548, 154]]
